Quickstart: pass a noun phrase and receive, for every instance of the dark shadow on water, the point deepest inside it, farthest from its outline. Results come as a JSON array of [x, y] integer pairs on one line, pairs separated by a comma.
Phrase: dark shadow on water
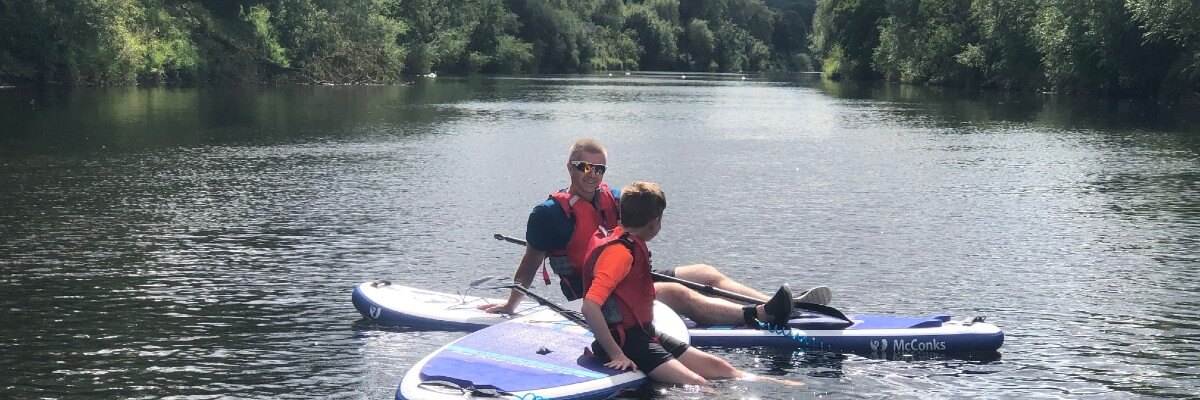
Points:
[[62, 120], [364, 325], [954, 107]]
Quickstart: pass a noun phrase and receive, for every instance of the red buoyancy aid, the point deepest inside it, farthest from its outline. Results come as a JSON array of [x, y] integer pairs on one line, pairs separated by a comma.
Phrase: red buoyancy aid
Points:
[[588, 218], [634, 296]]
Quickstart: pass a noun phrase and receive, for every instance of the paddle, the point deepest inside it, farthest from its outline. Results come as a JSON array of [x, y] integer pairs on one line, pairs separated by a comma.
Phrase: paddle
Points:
[[576, 318], [571, 315], [708, 289]]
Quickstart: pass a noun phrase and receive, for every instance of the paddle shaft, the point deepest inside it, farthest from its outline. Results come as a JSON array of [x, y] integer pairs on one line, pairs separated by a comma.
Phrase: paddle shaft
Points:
[[708, 289], [571, 315]]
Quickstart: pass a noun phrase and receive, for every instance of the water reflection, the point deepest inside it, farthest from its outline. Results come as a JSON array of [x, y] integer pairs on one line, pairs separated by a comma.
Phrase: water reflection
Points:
[[963, 108], [121, 119]]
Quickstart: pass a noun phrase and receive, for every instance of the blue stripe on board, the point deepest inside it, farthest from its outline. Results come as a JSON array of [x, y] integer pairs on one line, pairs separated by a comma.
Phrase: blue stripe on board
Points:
[[527, 362]]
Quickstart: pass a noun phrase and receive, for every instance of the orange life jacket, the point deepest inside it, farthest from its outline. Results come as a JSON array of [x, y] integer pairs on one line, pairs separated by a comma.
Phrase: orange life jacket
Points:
[[632, 301], [588, 218]]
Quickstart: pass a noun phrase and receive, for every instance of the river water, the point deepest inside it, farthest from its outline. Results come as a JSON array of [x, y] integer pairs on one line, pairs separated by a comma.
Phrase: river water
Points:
[[196, 243]]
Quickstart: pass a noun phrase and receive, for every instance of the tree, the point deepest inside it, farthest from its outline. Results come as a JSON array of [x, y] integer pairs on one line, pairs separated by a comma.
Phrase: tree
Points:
[[1174, 23], [609, 13], [559, 38], [339, 41], [1009, 58], [737, 51], [336, 41], [790, 39], [928, 41], [93, 42], [709, 10], [657, 37], [753, 16], [701, 44], [1094, 45], [845, 34]]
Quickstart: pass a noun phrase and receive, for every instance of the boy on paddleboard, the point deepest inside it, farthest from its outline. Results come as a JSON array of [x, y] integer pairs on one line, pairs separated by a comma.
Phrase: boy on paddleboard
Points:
[[560, 228], [619, 300]]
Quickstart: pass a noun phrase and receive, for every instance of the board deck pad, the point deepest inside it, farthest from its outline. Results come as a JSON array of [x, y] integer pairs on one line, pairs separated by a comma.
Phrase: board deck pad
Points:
[[513, 363], [539, 355]]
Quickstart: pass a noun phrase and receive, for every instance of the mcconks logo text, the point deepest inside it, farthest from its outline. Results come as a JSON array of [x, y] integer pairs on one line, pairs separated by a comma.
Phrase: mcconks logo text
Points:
[[898, 345]]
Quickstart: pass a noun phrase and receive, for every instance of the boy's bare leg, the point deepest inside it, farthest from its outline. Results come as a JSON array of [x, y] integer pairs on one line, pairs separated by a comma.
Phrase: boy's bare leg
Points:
[[708, 275], [675, 372], [713, 367], [776, 380], [708, 365]]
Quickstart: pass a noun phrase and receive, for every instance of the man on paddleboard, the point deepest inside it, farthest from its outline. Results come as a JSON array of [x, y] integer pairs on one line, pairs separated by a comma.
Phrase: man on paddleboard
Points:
[[560, 228]]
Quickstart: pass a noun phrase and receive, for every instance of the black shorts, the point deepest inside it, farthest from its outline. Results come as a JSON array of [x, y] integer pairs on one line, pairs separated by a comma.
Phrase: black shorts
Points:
[[668, 272], [646, 351]]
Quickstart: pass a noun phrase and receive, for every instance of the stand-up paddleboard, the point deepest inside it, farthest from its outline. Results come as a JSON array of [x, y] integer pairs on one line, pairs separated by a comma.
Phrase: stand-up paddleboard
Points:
[[398, 305], [539, 355], [865, 334], [391, 304]]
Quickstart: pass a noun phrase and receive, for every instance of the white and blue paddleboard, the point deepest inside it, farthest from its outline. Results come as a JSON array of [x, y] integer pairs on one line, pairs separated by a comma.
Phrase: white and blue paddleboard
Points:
[[875, 335], [536, 356], [878, 335], [398, 305]]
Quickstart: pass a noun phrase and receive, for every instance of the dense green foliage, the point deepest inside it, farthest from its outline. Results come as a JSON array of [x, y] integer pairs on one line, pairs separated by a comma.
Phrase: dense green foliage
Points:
[[845, 34], [1126, 47], [128, 41]]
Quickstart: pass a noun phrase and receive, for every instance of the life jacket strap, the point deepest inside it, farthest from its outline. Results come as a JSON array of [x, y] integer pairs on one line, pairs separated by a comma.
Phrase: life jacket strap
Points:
[[571, 207]]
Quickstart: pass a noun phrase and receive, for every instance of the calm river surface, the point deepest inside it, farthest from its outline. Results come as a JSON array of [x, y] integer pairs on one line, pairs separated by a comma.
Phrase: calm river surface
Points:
[[205, 242]]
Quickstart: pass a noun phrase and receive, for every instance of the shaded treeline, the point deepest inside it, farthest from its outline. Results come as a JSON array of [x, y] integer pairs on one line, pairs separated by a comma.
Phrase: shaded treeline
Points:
[[1121, 47], [346, 41]]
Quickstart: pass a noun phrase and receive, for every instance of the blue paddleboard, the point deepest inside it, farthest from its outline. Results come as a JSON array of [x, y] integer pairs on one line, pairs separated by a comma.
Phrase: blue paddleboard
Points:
[[539, 355], [874, 335]]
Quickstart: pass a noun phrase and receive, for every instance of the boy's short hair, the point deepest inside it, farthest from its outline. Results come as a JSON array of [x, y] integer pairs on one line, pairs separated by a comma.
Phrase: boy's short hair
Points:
[[586, 144], [641, 202]]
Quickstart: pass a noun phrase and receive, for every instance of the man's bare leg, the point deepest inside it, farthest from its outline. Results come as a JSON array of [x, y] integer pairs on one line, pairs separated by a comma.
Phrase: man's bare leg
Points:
[[708, 275], [703, 309]]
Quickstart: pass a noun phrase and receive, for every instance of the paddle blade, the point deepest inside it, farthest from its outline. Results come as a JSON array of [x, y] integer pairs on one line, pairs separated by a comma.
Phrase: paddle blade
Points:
[[822, 309]]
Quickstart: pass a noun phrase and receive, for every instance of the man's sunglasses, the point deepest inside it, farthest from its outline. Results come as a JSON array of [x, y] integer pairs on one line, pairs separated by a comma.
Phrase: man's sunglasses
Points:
[[585, 167]]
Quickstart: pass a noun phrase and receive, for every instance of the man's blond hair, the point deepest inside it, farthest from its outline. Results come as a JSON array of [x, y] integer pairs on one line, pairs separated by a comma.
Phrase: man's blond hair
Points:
[[586, 144], [641, 202]]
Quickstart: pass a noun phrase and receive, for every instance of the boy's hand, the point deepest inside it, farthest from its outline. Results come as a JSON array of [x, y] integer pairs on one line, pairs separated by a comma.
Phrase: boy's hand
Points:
[[501, 308], [620, 362]]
